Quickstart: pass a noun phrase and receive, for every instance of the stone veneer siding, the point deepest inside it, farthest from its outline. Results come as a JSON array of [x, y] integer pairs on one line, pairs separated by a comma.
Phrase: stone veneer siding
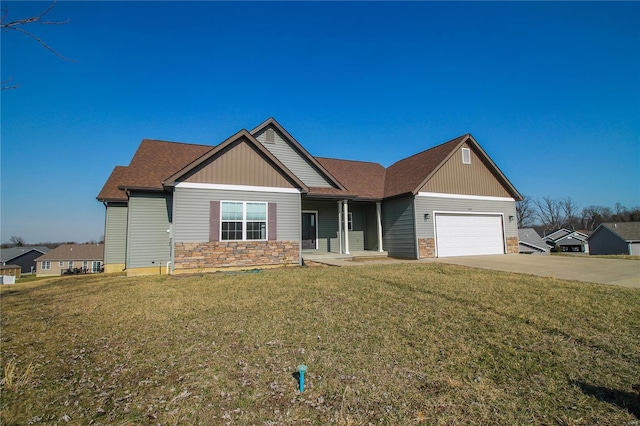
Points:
[[426, 247], [223, 254], [513, 245]]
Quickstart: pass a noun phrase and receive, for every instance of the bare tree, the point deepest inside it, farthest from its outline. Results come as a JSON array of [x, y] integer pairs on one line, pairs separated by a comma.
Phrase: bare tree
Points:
[[19, 25], [570, 212], [549, 212], [17, 241], [525, 212]]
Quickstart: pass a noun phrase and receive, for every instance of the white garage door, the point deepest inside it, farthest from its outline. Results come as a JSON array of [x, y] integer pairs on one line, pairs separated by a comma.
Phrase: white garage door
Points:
[[468, 235]]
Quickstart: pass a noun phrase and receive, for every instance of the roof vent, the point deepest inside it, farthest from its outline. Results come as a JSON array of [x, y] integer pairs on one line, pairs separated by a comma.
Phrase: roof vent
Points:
[[270, 136]]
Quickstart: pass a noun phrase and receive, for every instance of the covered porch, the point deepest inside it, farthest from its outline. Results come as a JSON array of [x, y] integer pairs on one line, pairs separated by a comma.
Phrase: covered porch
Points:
[[341, 227]]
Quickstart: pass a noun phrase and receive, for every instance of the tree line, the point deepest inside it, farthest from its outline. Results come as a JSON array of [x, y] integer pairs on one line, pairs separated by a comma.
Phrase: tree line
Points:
[[16, 241], [547, 213]]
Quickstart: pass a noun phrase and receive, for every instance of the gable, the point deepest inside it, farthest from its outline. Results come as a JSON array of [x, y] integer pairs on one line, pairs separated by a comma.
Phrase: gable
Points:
[[285, 151], [476, 178], [238, 164]]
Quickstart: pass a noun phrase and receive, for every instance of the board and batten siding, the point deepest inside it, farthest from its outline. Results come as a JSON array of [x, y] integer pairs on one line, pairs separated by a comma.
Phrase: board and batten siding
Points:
[[430, 203], [476, 178], [239, 164], [192, 205], [398, 226], [292, 159], [115, 233], [149, 220]]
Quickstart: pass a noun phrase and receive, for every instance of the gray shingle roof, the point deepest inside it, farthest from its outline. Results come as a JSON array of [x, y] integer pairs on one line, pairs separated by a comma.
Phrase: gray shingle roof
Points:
[[8, 254], [628, 231], [530, 237]]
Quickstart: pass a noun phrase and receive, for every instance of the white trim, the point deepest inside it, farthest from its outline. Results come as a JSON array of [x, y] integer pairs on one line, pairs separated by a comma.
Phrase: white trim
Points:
[[379, 225], [314, 212], [464, 197], [345, 216], [236, 187], [524, 243], [340, 225]]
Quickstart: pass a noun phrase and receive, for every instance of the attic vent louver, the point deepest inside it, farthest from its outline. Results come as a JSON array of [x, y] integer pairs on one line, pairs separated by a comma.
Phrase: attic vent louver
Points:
[[270, 136], [466, 156]]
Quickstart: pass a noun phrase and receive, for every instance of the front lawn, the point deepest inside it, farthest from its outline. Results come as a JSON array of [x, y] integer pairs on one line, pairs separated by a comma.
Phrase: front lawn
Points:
[[402, 344]]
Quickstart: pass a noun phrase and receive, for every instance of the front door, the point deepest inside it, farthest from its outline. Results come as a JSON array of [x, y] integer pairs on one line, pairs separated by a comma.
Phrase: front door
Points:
[[309, 226]]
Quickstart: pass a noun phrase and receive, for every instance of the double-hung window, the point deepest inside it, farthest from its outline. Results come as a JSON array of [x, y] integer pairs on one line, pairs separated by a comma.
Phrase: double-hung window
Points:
[[45, 264], [243, 220]]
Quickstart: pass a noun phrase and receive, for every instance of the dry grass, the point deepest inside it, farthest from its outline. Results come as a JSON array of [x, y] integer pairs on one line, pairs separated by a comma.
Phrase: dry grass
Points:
[[401, 344]]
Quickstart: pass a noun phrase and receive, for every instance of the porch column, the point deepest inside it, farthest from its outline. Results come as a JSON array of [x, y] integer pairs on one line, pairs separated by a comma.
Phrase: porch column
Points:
[[345, 215], [340, 226], [379, 223]]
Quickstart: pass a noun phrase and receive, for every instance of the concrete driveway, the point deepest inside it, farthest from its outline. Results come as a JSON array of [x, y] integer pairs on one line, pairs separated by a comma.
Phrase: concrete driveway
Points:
[[624, 273]]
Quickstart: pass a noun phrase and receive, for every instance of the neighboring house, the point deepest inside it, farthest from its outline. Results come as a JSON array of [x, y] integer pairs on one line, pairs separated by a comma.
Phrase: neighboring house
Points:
[[23, 256], [531, 243], [615, 238], [77, 258], [259, 199], [565, 240]]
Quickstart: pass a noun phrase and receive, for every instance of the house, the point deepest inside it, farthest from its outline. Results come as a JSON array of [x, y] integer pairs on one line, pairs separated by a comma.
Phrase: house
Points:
[[565, 240], [260, 198], [71, 258], [615, 238], [23, 256], [529, 242]]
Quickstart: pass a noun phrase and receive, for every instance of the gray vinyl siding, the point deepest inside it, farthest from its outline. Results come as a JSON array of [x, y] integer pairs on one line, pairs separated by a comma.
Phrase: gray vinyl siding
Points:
[[293, 160], [398, 237], [358, 240], [604, 241], [431, 204], [327, 224], [191, 221], [115, 233], [634, 249], [148, 239]]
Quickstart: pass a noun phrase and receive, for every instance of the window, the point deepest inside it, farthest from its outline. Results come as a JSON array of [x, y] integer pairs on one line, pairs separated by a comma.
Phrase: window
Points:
[[349, 220], [95, 266], [84, 264], [45, 265], [466, 156], [243, 220], [61, 263], [70, 264]]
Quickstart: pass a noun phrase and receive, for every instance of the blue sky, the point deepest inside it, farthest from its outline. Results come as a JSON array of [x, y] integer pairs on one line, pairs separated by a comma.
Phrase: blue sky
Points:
[[550, 90]]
